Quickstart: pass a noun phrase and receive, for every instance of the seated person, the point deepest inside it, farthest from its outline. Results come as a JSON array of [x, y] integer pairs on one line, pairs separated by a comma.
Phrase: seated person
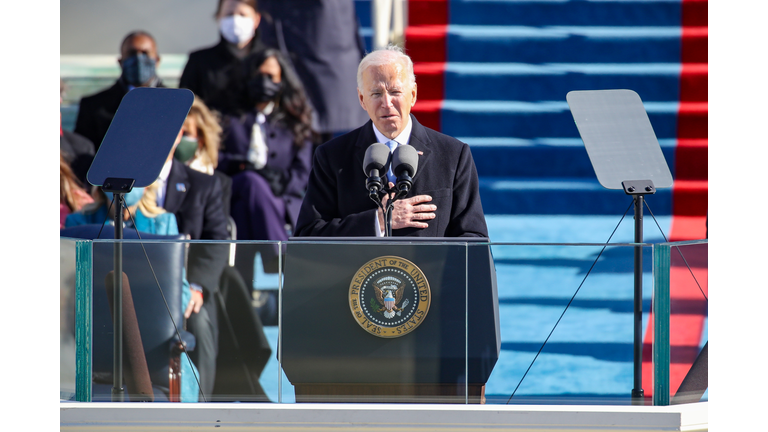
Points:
[[77, 150], [145, 216], [138, 61], [199, 146], [72, 194], [267, 149]]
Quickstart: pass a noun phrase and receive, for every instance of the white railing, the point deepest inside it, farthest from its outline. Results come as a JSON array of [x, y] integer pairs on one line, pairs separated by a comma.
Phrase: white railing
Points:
[[388, 18]]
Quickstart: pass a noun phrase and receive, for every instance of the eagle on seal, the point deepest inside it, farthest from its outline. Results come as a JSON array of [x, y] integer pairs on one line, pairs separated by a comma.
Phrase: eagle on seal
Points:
[[387, 300]]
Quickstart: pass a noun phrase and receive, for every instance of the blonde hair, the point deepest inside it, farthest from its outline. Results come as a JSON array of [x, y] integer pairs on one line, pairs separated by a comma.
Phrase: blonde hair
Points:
[[208, 133], [148, 202]]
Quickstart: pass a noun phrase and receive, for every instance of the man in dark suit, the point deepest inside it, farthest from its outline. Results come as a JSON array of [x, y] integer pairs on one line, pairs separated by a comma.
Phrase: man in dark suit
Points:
[[138, 61], [445, 198], [196, 200]]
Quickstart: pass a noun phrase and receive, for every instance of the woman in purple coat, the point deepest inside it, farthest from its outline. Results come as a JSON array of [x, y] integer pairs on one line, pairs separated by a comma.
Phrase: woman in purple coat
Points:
[[267, 148]]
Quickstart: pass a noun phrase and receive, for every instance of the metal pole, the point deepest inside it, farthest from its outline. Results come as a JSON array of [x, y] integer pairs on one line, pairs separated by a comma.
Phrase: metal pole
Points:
[[118, 392], [637, 391]]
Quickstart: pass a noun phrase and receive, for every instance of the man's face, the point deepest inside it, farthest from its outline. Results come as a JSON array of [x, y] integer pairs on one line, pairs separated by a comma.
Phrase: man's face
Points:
[[140, 44], [388, 97]]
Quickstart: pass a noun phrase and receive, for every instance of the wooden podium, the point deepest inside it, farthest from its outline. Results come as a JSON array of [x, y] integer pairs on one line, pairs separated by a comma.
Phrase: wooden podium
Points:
[[340, 343]]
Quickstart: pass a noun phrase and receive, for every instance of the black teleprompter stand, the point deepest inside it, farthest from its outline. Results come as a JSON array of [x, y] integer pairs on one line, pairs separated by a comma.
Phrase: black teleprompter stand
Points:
[[137, 144], [118, 187], [396, 194], [622, 146], [638, 189]]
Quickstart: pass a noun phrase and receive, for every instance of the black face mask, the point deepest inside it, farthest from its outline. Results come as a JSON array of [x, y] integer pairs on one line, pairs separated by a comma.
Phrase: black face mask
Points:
[[138, 69], [262, 89]]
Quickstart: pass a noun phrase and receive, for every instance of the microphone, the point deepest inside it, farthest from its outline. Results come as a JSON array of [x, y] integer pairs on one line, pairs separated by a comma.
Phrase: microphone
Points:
[[405, 161], [374, 163]]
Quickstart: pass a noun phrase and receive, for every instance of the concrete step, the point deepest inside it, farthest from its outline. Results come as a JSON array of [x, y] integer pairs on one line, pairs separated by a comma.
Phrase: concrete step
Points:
[[574, 12], [530, 120], [554, 44], [543, 82], [540, 158], [563, 196]]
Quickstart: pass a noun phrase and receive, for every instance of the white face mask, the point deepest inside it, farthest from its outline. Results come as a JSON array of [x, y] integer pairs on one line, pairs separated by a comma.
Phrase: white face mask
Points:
[[237, 29]]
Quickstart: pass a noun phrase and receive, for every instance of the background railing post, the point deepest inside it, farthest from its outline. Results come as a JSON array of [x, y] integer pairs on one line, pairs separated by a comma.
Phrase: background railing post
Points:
[[388, 19], [661, 309]]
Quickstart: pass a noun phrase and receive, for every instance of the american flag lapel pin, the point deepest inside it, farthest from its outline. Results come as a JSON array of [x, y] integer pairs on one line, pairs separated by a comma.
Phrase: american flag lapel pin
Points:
[[181, 187]]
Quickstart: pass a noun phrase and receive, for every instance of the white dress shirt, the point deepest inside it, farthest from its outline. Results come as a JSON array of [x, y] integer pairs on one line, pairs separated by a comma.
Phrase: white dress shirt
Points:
[[162, 181], [162, 190], [257, 152], [403, 139]]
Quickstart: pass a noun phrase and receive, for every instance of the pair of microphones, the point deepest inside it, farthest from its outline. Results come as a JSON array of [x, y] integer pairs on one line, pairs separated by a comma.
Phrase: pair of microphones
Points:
[[404, 162]]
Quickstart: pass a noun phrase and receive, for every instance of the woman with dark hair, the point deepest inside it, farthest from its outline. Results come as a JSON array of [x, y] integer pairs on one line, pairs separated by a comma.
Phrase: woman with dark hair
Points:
[[267, 148], [210, 71]]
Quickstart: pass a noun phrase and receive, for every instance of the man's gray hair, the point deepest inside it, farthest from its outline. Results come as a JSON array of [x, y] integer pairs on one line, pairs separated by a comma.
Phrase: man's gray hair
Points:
[[380, 57]]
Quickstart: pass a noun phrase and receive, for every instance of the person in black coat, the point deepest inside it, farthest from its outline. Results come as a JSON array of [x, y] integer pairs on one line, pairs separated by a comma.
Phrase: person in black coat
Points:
[[199, 146], [209, 71], [444, 200], [196, 200], [139, 61], [267, 148]]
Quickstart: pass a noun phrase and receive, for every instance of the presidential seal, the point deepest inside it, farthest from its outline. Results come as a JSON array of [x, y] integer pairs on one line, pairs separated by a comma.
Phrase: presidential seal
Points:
[[389, 297]]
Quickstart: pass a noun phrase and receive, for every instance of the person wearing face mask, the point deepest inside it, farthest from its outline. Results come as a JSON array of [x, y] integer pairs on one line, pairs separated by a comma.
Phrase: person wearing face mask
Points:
[[138, 62], [267, 148], [209, 71], [144, 215], [199, 146]]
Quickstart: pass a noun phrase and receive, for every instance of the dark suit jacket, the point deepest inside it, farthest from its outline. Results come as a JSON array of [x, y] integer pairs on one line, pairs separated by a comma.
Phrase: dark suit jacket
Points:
[[96, 112], [209, 72], [337, 203], [196, 200]]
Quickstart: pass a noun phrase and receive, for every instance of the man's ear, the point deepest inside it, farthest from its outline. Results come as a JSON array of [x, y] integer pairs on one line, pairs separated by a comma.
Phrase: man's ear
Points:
[[360, 99]]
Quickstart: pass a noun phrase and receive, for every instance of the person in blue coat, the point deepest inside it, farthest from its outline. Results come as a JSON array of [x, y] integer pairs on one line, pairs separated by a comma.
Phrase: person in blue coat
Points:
[[145, 216]]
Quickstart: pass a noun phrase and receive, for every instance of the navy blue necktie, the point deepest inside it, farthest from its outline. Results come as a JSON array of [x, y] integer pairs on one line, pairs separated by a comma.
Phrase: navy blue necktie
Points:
[[392, 144]]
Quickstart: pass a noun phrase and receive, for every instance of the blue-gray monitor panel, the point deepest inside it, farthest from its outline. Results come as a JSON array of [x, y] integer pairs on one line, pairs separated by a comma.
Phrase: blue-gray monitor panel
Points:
[[619, 137], [141, 135]]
